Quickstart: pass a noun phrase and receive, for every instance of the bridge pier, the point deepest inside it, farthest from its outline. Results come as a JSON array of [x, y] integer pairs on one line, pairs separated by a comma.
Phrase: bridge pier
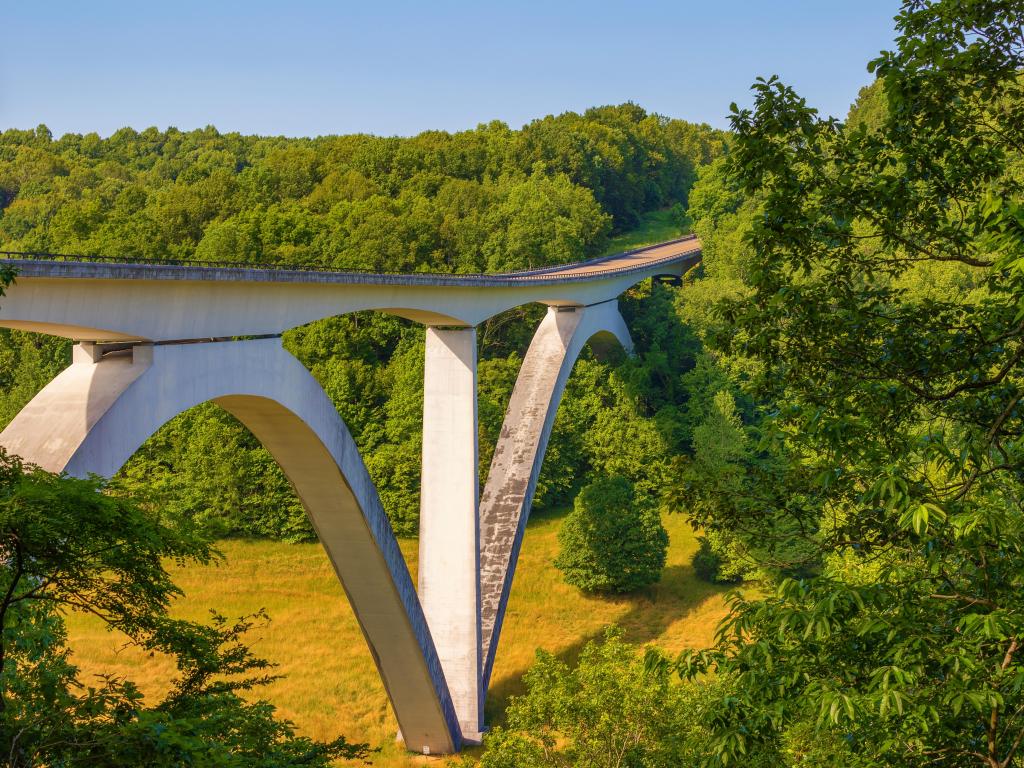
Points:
[[449, 548]]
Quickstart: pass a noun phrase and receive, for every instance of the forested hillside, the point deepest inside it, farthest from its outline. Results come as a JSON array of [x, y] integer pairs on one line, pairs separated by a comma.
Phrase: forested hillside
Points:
[[483, 200]]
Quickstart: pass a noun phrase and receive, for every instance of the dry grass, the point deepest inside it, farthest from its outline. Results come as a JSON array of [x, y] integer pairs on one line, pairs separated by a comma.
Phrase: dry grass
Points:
[[330, 685]]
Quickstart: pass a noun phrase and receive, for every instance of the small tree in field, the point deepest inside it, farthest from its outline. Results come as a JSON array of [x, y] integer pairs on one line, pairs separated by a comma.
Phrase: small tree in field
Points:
[[609, 543]]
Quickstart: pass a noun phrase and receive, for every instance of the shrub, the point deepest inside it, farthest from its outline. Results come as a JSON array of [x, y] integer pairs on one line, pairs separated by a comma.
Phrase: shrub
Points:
[[609, 543], [616, 707], [709, 564], [609, 709]]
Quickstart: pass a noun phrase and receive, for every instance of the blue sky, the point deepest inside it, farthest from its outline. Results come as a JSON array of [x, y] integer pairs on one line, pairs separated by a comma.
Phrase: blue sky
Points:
[[309, 67]]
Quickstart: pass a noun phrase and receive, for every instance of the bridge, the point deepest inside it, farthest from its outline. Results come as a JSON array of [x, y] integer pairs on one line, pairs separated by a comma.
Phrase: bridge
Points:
[[157, 338]]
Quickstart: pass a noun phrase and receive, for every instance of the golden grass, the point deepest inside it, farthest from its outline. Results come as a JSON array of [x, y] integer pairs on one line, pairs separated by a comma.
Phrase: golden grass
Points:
[[330, 685]]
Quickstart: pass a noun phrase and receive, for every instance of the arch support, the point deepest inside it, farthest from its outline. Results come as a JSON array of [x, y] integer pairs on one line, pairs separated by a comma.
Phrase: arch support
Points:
[[512, 479], [97, 413]]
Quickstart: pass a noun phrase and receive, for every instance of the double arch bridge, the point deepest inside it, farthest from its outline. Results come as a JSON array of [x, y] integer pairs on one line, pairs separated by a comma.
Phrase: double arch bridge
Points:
[[155, 339]]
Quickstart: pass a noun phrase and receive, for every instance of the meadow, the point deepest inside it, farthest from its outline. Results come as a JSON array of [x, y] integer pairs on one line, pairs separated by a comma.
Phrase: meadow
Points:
[[329, 685], [654, 226]]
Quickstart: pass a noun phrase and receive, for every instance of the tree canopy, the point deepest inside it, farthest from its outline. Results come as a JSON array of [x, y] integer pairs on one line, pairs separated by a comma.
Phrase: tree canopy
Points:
[[873, 301], [611, 542]]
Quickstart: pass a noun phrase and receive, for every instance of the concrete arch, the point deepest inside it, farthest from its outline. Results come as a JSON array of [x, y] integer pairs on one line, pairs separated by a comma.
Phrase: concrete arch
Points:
[[97, 413], [519, 454]]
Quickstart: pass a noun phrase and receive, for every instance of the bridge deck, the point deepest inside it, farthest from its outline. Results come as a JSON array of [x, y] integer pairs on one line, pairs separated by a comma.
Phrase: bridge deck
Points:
[[107, 268], [97, 298]]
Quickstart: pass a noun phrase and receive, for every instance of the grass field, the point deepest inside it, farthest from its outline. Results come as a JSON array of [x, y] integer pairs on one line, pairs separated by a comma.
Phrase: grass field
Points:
[[330, 685], [654, 227]]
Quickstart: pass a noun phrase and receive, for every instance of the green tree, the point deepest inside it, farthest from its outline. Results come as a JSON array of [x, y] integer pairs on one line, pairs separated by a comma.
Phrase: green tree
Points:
[[616, 707], [610, 710], [609, 542], [879, 309]]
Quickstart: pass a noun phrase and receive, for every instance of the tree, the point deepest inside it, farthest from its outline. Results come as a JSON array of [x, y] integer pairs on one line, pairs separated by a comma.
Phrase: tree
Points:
[[609, 542], [880, 306], [67, 545], [612, 709]]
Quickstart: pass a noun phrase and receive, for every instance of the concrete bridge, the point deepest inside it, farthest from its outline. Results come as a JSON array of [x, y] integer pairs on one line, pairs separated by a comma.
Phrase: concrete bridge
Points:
[[157, 339]]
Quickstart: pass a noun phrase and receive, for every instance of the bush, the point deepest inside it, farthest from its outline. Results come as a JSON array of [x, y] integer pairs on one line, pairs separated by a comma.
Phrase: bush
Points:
[[609, 543], [708, 564], [609, 705], [616, 706]]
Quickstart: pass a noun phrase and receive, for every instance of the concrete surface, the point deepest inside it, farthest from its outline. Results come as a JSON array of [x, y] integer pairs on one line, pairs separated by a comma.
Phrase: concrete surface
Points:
[[449, 567], [106, 302], [519, 453]]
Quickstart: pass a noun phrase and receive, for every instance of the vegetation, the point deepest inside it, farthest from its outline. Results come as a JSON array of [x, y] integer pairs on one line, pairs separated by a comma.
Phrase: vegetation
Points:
[[487, 199], [610, 543], [653, 227], [615, 706], [610, 710], [872, 281], [64, 546]]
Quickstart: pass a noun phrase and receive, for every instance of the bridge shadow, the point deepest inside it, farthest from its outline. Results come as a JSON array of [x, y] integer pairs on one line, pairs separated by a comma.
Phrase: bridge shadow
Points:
[[651, 614]]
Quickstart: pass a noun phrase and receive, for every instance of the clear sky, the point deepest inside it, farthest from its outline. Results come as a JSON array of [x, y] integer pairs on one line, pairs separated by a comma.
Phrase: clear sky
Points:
[[313, 67]]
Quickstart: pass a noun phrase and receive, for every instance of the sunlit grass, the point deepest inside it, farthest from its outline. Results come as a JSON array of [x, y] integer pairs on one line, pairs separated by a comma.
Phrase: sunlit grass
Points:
[[330, 685], [654, 227]]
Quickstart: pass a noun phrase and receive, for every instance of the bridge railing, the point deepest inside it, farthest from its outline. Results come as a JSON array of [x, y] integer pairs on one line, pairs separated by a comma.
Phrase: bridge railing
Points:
[[523, 274]]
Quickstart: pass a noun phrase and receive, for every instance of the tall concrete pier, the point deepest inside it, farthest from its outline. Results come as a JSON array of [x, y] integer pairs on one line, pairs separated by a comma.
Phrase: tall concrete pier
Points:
[[158, 339]]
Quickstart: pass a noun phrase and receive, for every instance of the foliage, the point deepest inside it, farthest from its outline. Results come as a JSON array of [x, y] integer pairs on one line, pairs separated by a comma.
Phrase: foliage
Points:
[[220, 478], [610, 709], [653, 227], [463, 202], [610, 543], [874, 309], [712, 563], [65, 545], [746, 501]]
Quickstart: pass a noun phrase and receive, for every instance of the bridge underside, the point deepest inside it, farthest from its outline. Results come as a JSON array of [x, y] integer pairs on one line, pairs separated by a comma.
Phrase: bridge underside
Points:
[[434, 647]]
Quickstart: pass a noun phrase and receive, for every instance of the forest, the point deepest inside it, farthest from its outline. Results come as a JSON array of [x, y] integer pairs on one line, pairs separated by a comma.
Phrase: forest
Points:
[[831, 401]]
